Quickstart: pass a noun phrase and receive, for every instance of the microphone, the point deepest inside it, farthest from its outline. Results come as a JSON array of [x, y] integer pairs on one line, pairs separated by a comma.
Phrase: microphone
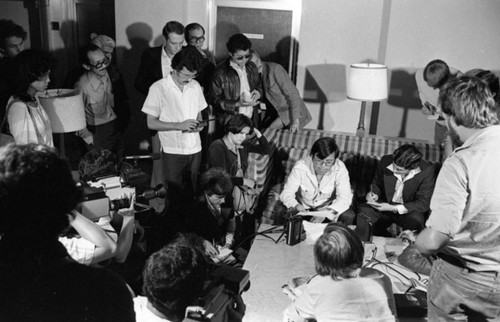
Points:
[[152, 156]]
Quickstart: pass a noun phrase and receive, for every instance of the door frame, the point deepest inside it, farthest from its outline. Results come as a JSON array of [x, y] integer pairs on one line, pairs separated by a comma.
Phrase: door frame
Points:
[[295, 6]]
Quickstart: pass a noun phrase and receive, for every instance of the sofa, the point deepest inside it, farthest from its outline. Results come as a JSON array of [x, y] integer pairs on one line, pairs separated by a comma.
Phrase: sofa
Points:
[[360, 155]]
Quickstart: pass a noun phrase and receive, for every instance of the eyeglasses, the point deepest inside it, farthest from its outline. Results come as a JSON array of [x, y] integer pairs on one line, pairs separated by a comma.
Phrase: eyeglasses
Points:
[[194, 40], [185, 76], [243, 57], [100, 63], [324, 163]]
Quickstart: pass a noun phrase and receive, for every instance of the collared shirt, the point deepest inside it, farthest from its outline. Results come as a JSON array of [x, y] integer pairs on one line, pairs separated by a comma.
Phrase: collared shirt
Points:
[[465, 205], [168, 103], [97, 97], [166, 63], [242, 74], [303, 179], [400, 184]]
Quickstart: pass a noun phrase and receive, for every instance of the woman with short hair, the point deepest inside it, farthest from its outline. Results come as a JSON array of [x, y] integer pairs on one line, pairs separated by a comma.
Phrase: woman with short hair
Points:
[[343, 290], [28, 122]]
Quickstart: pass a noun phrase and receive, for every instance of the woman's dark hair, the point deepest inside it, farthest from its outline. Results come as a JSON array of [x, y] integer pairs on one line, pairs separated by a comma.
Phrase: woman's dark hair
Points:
[[407, 156], [188, 57], [95, 163], [175, 276], [236, 123], [37, 192], [323, 147], [338, 252], [238, 42], [29, 65], [216, 181]]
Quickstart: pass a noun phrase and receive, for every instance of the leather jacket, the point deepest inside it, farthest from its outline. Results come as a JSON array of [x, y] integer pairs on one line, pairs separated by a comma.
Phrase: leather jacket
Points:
[[225, 87]]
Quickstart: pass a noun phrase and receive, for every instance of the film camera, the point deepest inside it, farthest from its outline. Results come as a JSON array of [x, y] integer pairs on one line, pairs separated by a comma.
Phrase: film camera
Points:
[[111, 192], [224, 284]]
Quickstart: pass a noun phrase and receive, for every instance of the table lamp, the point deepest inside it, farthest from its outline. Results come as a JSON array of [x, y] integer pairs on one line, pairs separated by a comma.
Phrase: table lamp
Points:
[[65, 110], [367, 82]]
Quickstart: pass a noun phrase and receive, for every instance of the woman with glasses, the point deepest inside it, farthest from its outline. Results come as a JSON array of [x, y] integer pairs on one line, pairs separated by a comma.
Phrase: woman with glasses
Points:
[[343, 290], [236, 86], [318, 186], [27, 120]]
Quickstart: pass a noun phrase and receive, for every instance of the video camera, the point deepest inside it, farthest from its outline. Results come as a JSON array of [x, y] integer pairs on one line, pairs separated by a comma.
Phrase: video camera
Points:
[[225, 283], [110, 192]]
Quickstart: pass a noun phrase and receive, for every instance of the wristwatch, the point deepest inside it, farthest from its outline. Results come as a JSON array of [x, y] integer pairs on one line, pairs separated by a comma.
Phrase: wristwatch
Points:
[[395, 210]]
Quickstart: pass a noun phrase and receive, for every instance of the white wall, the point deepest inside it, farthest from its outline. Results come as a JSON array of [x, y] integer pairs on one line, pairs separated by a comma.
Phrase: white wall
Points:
[[403, 34]]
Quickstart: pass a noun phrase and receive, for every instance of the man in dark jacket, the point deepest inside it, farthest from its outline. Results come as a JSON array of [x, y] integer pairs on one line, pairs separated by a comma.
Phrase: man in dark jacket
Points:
[[236, 86], [400, 192]]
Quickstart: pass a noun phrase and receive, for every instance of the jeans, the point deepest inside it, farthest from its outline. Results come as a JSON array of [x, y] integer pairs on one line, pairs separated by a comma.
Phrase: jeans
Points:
[[458, 294]]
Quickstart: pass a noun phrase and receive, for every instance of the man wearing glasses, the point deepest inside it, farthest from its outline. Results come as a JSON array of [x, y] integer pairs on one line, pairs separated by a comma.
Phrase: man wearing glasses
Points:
[[401, 192], [173, 108], [236, 86], [195, 36], [95, 85], [318, 185]]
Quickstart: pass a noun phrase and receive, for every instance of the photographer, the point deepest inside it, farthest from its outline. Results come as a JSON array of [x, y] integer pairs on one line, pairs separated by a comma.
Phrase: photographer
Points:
[[128, 257], [174, 277], [98, 241], [38, 279]]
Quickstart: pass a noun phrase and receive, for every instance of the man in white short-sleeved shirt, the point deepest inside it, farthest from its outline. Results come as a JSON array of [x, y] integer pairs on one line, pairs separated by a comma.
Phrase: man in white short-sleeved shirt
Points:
[[173, 107]]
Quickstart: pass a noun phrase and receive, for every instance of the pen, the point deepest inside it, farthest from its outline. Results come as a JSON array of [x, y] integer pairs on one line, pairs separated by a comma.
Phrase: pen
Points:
[[215, 246]]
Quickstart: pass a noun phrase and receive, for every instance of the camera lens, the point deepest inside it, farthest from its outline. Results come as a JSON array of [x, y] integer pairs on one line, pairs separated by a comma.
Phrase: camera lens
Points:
[[119, 203]]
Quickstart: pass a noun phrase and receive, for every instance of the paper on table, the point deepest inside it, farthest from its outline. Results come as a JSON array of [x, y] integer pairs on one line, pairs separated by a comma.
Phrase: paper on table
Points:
[[313, 231]]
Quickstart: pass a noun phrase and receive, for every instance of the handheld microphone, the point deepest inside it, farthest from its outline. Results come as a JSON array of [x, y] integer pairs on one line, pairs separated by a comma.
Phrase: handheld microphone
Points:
[[153, 156]]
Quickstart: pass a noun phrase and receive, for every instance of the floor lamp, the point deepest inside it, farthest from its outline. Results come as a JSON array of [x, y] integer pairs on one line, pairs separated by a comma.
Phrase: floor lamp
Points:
[[65, 110], [367, 82]]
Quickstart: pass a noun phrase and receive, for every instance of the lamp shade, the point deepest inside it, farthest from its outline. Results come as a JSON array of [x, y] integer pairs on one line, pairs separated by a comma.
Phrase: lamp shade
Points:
[[367, 82], [65, 109]]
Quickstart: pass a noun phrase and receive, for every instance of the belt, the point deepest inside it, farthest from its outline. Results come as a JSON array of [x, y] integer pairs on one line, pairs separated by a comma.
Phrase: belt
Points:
[[452, 260]]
